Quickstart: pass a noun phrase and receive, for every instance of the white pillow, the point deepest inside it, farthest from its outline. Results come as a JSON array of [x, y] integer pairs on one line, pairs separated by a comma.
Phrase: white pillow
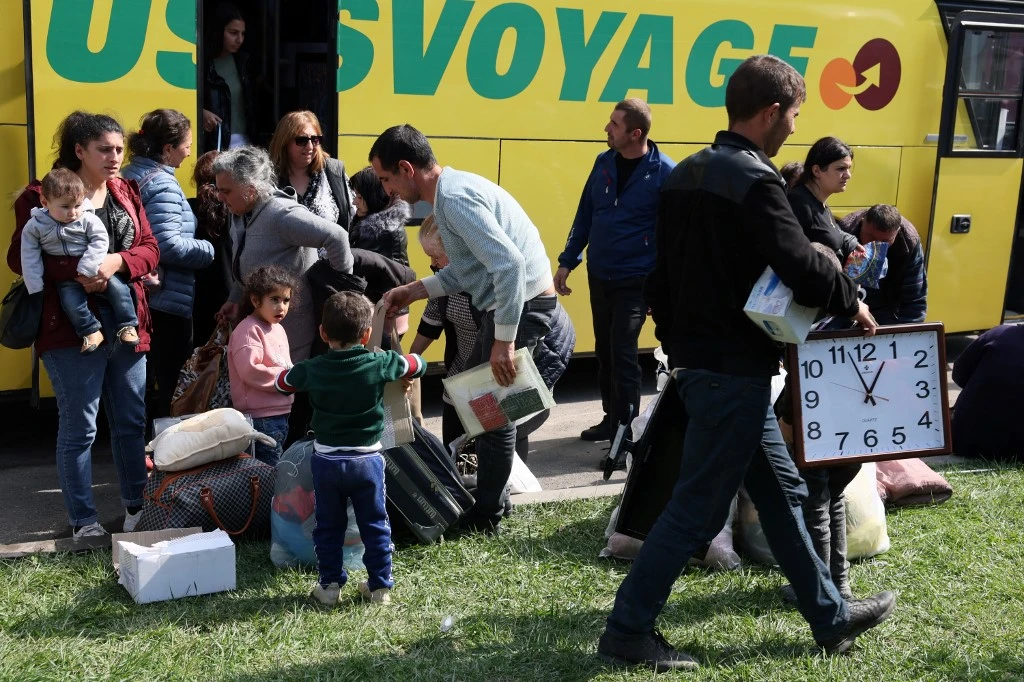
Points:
[[207, 437]]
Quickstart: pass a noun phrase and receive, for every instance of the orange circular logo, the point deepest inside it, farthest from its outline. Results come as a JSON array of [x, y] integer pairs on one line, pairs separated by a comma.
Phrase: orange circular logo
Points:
[[872, 78]]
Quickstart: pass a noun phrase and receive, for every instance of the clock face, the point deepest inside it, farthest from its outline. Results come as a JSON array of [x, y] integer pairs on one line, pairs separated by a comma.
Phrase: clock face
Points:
[[879, 397]]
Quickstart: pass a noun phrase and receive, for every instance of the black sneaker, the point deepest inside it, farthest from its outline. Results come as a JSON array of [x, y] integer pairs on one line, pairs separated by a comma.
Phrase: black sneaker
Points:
[[650, 650], [864, 615], [476, 523], [597, 432]]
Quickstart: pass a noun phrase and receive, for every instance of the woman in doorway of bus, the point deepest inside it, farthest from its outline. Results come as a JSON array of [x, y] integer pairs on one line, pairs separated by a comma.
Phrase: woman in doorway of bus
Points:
[[827, 170], [268, 227], [319, 181], [227, 94], [212, 222], [92, 145], [163, 141]]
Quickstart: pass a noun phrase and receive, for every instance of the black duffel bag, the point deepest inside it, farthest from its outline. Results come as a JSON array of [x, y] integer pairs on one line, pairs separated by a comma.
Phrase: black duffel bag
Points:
[[233, 494], [20, 316]]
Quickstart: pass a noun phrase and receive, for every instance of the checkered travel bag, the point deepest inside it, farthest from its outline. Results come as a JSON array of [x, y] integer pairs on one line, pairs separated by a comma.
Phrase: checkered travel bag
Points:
[[233, 494]]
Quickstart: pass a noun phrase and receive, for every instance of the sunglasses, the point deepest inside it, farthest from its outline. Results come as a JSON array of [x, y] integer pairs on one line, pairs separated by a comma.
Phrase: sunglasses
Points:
[[303, 140]]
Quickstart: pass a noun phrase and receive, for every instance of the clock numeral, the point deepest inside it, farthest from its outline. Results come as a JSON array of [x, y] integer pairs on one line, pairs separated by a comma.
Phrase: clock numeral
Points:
[[812, 399], [871, 438], [923, 391], [812, 369], [893, 346], [842, 438], [865, 352], [814, 430], [838, 355], [925, 420], [922, 359], [898, 437]]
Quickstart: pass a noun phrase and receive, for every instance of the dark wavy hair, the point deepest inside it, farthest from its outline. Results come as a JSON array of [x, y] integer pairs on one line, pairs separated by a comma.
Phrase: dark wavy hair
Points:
[[263, 281], [211, 212], [158, 128], [80, 128], [823, 154], [367, 185]]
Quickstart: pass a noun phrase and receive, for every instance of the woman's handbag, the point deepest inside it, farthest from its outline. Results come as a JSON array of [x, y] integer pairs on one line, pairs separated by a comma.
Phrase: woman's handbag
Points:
[[203, 383], [20, 316], [233, 494]]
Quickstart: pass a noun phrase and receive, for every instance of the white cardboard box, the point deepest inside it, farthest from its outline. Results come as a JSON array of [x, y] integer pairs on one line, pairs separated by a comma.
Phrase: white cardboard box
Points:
[[170, 568], [771, 307]]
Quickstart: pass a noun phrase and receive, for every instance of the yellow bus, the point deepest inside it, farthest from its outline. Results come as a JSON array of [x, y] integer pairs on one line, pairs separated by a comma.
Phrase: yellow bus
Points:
[[927, 92]]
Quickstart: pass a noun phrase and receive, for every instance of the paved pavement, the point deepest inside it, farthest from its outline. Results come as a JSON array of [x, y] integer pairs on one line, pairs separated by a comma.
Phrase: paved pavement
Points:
[[564, 465]]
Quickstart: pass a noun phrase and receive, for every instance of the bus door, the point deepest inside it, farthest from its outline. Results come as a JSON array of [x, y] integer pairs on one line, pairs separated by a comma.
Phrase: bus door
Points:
[[978, 172]]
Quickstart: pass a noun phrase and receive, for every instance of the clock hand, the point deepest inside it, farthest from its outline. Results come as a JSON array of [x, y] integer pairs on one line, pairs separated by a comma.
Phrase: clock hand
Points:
[[874, 382], [857, 390], [867, 391]]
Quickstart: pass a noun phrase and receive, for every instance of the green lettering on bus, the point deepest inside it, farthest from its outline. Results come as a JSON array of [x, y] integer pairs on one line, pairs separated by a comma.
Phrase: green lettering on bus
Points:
[[702, 60], [482, 59], [786, 37], [418, 71], [179, 68], [354, 48], [67, 47], [581, 55], [656, 78]]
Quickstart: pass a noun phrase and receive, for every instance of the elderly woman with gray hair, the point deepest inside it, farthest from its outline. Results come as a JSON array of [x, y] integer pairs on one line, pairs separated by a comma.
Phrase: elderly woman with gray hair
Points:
[[269, 227]]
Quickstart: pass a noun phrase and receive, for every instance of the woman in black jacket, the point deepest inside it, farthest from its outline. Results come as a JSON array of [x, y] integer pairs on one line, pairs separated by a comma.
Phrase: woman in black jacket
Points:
[[227, 95], [379, 224], [320, 182]]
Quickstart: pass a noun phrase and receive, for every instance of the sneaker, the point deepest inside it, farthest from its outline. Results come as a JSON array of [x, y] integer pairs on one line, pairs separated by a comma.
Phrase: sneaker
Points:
[[650, 650], [789, 594], [93, 530], [382, 595], [131, 520], [91, 342], [864, 615], [328, 596], [474, 523], [129, 336], [602, 431]]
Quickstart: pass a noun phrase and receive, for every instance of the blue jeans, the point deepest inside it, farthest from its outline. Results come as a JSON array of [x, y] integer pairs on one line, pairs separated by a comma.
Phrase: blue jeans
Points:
[[117, 374], [75, 303], [338, 478], [732, 438], [495, 450], [277, 428]]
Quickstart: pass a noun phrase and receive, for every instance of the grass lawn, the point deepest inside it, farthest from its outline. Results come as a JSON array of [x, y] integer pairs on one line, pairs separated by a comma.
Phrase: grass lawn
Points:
[[530, 605]]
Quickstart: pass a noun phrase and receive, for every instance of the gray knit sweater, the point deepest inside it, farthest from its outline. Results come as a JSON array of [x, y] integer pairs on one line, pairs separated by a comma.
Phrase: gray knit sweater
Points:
[[283, 232], [494, 250]]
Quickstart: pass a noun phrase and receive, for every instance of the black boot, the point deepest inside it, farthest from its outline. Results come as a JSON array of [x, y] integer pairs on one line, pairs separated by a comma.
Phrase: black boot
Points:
[[597, 432]]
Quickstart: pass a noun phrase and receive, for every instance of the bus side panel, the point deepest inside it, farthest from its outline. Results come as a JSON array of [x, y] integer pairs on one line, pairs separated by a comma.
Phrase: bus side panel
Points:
[[15, 367], [968, 271], [121, 59], [475, 156], [916, 184]]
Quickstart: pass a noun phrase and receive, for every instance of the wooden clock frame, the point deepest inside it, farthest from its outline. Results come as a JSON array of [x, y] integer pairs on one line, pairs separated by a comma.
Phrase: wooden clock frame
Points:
[[795, 393]]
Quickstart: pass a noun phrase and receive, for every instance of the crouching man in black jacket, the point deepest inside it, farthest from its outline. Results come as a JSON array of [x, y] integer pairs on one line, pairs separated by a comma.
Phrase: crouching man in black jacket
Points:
[[722, 218]]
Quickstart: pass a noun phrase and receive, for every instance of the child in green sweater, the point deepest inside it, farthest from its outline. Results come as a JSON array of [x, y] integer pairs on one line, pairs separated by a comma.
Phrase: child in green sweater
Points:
[[346, 390]]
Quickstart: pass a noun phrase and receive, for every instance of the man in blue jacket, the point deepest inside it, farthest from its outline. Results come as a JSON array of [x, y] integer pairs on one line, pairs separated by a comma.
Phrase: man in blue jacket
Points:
[[615, 223]]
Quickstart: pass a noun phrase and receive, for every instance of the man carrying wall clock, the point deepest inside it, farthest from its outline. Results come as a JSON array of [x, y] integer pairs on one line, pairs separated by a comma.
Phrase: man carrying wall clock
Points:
[[723, 217]]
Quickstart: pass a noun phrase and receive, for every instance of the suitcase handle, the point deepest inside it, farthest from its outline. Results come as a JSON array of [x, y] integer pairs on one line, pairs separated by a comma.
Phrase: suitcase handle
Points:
[[206, 499]]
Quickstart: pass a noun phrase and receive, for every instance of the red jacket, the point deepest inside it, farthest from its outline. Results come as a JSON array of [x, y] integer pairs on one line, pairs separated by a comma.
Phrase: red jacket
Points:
[[56, 330]]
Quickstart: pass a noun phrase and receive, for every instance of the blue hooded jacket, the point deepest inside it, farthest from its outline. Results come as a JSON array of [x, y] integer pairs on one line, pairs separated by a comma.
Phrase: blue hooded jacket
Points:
[[174, 226], [618, 229]]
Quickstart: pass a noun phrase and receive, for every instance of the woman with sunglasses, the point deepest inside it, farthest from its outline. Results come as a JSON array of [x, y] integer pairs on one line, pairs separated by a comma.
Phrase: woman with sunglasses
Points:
[[320, 182]]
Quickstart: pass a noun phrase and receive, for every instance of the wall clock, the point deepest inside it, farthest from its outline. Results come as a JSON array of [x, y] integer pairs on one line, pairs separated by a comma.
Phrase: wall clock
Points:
[[859, 399]]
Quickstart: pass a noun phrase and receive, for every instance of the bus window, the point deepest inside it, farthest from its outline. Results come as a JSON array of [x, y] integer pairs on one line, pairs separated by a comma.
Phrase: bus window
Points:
[[991, 90]]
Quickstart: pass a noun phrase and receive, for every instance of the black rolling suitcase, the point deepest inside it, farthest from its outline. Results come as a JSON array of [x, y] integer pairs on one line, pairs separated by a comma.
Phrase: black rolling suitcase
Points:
[[424, 489], [655, 470]]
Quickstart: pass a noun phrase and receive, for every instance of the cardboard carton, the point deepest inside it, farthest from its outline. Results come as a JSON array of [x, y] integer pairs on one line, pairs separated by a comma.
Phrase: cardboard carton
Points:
[[771, 307], [170, 564]]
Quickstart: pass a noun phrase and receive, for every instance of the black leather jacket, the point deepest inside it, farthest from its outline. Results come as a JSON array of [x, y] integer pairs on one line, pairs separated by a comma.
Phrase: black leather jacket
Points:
[[217, 98]]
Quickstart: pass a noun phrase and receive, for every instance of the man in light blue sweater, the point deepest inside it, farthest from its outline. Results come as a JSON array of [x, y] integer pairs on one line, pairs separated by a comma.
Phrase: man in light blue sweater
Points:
[[496, 256]]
